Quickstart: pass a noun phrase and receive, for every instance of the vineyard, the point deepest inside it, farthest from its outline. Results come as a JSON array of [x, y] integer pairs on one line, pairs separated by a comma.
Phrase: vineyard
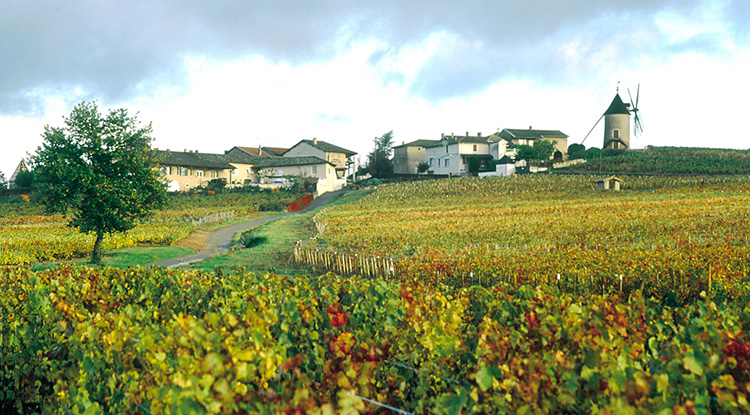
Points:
[[83, 340], [30, 236], [662, 234], [670, 160]]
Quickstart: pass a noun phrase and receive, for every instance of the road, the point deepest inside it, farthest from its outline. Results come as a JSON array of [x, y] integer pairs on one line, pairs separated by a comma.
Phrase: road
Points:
[[221, 240]]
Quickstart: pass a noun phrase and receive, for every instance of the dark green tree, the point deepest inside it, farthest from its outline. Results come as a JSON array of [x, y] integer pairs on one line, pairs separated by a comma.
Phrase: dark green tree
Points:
[[525, 152], [24, 179], [422, 167], [3, 182], [379, 160], [592, 153], [101, 170], [576, 151], [543, 149]]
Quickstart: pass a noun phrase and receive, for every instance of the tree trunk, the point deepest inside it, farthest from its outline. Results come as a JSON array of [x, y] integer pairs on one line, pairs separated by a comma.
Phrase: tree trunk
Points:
[[96, 254]]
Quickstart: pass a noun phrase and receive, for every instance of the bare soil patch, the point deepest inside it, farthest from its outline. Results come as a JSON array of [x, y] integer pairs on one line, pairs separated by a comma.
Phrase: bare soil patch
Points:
[[197, 240]]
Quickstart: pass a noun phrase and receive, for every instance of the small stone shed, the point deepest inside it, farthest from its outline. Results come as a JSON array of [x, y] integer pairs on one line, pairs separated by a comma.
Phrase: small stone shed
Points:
[[609, 183]]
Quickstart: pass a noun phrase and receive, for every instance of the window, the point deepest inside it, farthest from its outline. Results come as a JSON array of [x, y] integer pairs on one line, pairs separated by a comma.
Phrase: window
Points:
[[167, 170], [182, 171], [475, 147], [236, 172], [438, 162], [432, 161], [447, 162], [213, 174], [199, 173], [615, 133], [314, 169]]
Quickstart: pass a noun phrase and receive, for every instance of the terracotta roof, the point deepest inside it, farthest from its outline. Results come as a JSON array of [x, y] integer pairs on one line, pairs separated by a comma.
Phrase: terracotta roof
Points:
[[289, 161], [327, 147], [190, 159], [263, 151]]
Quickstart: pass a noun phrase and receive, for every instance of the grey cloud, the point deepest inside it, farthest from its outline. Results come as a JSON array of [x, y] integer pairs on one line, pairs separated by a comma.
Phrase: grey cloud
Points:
[[109, 48]]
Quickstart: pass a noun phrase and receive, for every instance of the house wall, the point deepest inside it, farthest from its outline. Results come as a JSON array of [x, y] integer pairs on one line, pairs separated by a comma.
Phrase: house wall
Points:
[[326, 174], [442, 153], [193, 176], [407, 158], [243, 174]]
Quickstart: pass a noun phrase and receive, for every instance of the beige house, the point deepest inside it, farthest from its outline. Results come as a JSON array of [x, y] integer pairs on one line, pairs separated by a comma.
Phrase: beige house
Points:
[[276, 170], [338, 156], [527, 137], [187, 170], [406, 157]]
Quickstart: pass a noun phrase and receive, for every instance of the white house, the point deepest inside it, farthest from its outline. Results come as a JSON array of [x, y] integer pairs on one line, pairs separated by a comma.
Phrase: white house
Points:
[[453, 155]]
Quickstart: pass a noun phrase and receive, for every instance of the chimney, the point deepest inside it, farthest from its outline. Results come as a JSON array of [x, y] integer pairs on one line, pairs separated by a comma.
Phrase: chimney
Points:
[[315, 141], [260, 152], [467, 134], [442, 136], [529, 127], [479, 134], [184, 150]]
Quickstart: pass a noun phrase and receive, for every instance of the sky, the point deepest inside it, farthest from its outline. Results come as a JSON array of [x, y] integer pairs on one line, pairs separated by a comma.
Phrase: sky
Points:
[[209, 76]]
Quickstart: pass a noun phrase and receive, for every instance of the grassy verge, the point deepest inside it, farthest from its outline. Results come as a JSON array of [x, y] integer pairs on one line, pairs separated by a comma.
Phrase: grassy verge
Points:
[[125, 257], [270, 246]]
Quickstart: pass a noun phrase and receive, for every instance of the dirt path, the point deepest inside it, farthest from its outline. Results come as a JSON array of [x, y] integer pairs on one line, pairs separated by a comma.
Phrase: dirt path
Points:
[[216, 243]]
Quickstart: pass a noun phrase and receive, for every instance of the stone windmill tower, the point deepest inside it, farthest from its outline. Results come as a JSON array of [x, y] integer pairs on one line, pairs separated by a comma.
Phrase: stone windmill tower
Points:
[[617, 125], [617, 122]]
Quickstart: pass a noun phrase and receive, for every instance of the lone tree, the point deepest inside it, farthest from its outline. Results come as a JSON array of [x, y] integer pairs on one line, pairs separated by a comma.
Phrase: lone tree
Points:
[[100, 169], [379, 160]]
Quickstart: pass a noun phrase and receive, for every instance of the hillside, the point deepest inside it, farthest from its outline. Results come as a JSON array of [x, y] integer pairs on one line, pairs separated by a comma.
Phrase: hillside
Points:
[[668, 160]]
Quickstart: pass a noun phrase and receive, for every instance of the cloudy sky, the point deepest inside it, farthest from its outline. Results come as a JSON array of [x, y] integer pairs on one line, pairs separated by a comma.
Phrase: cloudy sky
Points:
[[212, 75]]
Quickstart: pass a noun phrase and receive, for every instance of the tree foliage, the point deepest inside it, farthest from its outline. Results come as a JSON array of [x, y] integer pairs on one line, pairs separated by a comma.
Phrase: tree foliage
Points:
[[379, 160], [541, 150], [422, 167], [24, 179], [3, 182], [576, 151], [100, 169]]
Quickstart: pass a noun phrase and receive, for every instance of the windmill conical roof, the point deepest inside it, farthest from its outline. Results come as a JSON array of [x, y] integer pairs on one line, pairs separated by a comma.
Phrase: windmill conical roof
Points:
[[617, 107]]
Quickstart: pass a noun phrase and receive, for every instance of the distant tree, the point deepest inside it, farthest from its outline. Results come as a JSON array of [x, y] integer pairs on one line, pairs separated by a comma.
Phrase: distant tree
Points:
[[101, 169], [3, 182], [543, 149], [472, 164], [576, 151], [379, 160], [422, 167], [592, 153], [216, 185], [24, 179], [525, 152]]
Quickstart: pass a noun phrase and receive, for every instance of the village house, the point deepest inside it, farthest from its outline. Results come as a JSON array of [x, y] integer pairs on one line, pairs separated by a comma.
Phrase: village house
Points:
[[528, 136], [338, 156], [187, 170], [277, 171], [407, 157], [452, 155]]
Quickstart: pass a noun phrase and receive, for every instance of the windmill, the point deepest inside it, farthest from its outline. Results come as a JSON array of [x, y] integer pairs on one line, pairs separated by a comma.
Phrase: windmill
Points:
[[617, 122]]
